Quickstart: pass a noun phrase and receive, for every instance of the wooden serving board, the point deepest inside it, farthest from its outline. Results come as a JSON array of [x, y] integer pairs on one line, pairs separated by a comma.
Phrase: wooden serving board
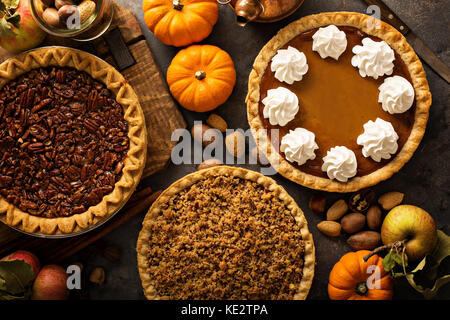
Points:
[[162, 117]]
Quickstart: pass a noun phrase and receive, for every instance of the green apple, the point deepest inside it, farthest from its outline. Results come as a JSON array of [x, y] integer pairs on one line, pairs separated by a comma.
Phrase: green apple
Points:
[[413, 224]]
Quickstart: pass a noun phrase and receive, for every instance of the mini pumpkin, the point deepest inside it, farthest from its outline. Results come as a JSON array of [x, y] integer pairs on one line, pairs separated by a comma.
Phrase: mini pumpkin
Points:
[[180, 22], [201, 77], [353, 279]]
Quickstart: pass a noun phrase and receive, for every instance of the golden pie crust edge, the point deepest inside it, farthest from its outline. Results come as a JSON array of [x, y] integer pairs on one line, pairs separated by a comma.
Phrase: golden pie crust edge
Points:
[[385, 32], [134, 161], [144, 236]]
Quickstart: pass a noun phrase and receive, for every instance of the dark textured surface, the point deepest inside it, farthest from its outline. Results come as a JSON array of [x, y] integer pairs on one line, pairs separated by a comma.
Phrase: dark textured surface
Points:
[[425, 179]]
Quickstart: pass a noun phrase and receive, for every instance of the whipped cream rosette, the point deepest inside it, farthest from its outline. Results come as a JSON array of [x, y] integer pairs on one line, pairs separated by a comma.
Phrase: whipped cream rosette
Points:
[[299, 146], [329, 42], [373, 59], [289, 65]]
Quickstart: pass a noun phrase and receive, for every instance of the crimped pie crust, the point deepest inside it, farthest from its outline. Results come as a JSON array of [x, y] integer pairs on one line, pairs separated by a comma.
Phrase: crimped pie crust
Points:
[[385, 32], [144, 236], [133, 164]]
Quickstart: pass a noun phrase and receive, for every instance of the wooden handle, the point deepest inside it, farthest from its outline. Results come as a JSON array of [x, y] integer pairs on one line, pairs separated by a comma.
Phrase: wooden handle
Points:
[[389, 16]]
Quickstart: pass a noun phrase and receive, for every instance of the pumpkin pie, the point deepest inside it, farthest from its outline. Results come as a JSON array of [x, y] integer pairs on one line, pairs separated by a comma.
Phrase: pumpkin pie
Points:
[[225, 233], [72, 141], [338, 101]]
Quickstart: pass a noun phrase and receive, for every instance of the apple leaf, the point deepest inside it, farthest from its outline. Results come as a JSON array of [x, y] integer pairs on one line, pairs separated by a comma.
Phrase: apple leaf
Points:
[[16, 277], [11, 4], [389, 261], [427, 269]]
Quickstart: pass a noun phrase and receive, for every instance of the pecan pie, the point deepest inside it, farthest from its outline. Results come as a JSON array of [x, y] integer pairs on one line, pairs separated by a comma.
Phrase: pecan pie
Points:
[[72, 141], [225, 233], [348, 97]]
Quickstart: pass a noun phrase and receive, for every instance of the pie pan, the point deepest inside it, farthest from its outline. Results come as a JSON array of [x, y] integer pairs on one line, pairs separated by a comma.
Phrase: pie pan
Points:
[[133, 163]]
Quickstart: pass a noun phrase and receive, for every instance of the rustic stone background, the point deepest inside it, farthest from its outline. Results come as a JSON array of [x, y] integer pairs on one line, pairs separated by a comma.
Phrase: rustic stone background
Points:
[[425, 179]]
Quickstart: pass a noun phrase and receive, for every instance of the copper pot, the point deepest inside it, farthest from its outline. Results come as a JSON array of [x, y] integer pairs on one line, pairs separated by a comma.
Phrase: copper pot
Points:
[[262, 10]]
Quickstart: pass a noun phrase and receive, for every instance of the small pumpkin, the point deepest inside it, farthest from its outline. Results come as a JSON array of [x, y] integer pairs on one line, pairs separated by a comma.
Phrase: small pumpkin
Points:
[[201, 77], [353, 279], [180, 22]]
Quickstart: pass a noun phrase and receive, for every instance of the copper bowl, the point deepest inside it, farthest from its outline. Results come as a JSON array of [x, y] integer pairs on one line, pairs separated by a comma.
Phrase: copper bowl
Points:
[[262, 10]]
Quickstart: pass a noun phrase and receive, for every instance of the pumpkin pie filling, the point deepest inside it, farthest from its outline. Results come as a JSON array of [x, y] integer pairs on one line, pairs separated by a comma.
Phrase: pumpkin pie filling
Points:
[[335, 102]]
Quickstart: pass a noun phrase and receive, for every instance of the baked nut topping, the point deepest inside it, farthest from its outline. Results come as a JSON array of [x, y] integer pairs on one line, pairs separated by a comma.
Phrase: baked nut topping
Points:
[[225, 237], [63, 141]]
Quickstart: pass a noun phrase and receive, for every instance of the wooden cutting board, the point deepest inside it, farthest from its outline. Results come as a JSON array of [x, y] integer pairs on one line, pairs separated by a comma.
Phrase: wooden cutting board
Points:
[[162, 117]]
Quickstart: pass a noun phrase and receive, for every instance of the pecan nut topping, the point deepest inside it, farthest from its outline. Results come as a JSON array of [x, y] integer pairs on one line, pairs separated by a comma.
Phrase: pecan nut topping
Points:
[[63, 142]]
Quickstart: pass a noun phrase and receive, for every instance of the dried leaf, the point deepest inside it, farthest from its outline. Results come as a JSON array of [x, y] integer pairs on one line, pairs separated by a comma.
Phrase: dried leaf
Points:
[[431, 293]]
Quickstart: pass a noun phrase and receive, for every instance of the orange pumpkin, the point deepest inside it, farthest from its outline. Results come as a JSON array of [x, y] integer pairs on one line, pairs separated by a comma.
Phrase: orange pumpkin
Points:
[[354, 279], [180, 22], [201, 77]]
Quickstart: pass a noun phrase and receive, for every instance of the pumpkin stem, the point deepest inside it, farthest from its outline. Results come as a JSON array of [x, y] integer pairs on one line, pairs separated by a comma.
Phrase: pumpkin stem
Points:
[[361, 288], [177, 5], [397, 244], [200, 75]]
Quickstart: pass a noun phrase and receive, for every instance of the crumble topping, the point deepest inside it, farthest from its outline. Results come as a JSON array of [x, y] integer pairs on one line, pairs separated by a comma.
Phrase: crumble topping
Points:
[[225, 238]]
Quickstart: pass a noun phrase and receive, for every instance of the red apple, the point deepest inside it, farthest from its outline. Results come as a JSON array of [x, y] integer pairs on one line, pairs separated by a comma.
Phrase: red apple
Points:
[[412, 224], [51, 284], [26, 256], [24, 36]]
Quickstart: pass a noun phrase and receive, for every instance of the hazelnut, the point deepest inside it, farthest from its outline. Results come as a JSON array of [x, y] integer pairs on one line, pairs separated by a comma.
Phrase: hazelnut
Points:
[[60, 3], [65, 12], [51, 17], [317, 203], [97, 276]]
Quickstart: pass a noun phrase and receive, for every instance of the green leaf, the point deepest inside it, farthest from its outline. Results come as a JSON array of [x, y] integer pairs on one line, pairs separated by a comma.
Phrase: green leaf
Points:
[[17, 276], [388, 261], [11, 4], [2, 7], [14, 19], [391, 260]]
